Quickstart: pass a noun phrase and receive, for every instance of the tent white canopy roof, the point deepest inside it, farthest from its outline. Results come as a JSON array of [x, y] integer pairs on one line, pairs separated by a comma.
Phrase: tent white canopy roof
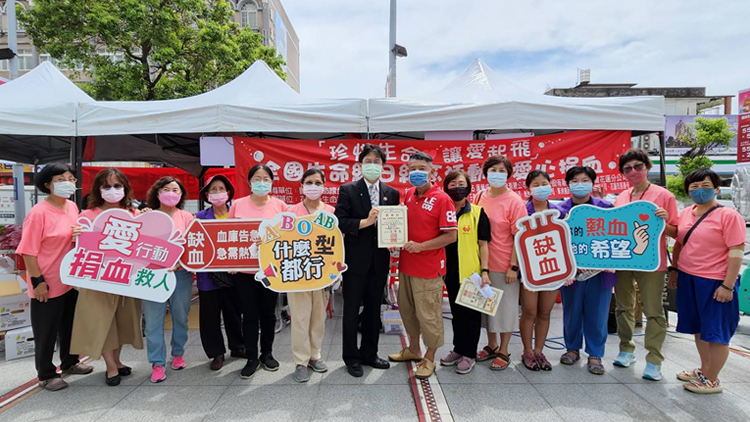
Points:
[[482, 99], [41, 102], [256, 101]]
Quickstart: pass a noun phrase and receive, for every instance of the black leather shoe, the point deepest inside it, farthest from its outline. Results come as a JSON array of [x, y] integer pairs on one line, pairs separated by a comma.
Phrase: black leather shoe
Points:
[[124, 371], [114, 381], [378, 364], [217, 363], [355, 370], [241, 353]]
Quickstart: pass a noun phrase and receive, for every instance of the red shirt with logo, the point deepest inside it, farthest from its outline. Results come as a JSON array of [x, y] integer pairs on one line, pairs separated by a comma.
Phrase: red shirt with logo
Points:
[[428, 216]]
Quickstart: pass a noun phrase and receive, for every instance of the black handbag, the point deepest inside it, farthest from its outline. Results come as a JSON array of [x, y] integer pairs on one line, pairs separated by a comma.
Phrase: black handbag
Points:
[[221, 279]]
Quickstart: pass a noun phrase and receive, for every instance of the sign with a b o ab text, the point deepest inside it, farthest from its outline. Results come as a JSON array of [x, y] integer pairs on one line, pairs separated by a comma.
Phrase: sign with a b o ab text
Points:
[[299, 254], [545, 257], [627, 237], [125, 255]]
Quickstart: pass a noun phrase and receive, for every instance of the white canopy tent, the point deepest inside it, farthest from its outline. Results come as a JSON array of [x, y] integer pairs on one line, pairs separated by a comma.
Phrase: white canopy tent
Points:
[[256, 101], [482, 99]]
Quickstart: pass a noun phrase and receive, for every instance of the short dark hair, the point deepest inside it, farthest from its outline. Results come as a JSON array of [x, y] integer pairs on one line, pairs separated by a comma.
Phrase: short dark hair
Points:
[[95, 195], [152, 197], [312, 172], [700, 175], [534, 174], [257, 167], [635, 154], [453, 175], [575, 171], [495, 160], [369, 149], [48, 172], [420, 156]]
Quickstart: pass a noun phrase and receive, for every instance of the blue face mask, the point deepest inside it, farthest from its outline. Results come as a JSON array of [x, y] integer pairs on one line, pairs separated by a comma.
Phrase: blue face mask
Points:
[[703, 195], [580, 190], [497, 179], [261, 188], [418, 178], [541, 193]]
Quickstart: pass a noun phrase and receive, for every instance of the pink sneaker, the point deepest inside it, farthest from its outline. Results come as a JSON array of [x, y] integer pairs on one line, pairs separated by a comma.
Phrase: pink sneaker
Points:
[[465, 365], [157, 374], [178, 362], [451, 359]]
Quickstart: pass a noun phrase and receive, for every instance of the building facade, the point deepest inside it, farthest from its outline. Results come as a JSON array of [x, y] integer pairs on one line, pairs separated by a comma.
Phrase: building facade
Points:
[[266, 17]]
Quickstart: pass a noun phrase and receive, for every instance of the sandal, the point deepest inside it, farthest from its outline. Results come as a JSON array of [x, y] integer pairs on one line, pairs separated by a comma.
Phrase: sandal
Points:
[[595, 366], [487, 353], [570, 357], [500, 362], [543, 363], [530, 362], [688, 376]]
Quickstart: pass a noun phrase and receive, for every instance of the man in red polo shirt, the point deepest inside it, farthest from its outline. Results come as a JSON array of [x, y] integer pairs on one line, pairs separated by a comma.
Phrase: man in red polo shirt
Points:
[[432, 226]]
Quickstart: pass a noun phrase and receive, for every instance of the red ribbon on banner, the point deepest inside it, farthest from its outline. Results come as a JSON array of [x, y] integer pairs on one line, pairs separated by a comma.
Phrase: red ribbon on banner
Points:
[[554, 154]]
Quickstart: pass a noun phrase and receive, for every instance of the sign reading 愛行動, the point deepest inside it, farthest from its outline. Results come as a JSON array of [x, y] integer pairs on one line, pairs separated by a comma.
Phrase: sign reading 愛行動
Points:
[[126, 255]]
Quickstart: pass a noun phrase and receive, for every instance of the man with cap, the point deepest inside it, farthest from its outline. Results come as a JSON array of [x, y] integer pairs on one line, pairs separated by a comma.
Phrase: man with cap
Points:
[[216, 300]]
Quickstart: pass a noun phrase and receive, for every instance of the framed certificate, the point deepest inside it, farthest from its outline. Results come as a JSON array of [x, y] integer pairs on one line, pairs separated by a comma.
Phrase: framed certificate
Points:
[[393, 230]]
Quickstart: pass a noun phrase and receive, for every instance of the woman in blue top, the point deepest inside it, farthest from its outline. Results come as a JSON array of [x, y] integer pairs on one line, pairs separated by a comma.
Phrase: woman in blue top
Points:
[[536, 307], [218, 300], [585, 302]]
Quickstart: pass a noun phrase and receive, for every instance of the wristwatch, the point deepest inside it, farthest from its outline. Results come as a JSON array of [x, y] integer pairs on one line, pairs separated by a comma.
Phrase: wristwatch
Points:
[[671, 268], [514, 268], [486, 270], [36, 281]]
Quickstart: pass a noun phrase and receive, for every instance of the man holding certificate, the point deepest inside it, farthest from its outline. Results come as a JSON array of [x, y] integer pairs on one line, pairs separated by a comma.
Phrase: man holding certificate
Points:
[[431, 226], [367, 273]]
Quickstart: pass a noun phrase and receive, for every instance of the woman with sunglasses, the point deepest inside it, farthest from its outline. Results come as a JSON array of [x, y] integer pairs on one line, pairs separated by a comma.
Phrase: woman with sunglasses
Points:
[[634, 165], [104, 322]]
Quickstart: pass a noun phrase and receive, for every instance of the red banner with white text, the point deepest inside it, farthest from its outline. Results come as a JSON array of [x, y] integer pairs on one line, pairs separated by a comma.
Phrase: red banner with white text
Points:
[[289, 159], [142, 178]]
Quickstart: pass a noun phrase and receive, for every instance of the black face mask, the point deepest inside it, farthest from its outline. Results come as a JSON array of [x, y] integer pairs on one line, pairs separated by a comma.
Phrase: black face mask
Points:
[[458, 193]]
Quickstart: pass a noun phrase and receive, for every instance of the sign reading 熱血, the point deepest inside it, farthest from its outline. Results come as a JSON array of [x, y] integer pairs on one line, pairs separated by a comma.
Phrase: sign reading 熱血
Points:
[[126, 255], [299, 254], [626, 237]]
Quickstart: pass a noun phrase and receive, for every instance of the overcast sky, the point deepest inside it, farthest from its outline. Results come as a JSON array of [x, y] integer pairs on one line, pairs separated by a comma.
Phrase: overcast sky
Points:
[[534, 43]]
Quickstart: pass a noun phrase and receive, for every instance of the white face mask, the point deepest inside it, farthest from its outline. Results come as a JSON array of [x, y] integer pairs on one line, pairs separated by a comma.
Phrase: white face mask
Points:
[[63, 189], [112, 195]]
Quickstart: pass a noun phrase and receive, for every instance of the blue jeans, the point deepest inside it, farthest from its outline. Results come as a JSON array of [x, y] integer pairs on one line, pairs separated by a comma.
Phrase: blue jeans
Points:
[[154, 312], [585, 314]]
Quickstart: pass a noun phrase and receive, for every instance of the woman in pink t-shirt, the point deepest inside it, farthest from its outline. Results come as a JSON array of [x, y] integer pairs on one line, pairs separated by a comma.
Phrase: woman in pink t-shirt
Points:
[[503, 207], [258, 303], [49, 230], [634, 165], [105, 322], [168, 195], [309, 308], [706, 264]]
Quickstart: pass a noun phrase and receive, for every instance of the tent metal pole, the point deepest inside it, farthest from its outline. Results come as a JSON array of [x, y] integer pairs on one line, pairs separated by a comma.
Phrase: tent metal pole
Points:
[[77, 162], [662, 161]]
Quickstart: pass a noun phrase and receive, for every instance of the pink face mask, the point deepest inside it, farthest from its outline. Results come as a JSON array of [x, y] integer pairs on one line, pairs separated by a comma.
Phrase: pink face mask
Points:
[[169, 199], [635, 176], [218, 199]]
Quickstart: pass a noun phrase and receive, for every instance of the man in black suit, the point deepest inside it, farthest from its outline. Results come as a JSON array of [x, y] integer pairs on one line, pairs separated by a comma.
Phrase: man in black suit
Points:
[[367, 273]]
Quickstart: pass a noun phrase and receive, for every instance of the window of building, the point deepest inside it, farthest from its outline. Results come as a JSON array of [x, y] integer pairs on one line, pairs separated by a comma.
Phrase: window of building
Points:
[[249, 15], [24, 59]]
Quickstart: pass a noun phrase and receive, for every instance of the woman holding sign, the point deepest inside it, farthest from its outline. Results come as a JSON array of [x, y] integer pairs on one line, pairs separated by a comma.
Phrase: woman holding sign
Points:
[[634, 165], [258, 302], [105, 322], [465, 257], [503, 207], [585, 302], [706, 264], [49, 230], [309, 308], [168, 195], [536, 307]]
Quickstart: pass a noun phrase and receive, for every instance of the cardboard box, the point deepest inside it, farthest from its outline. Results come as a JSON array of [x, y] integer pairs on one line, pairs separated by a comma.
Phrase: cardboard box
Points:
[[392, 323], [15, 312], [19, 343]]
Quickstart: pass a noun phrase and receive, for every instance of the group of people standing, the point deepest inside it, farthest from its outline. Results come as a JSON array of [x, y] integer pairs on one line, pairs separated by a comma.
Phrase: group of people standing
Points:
[[450, 238]]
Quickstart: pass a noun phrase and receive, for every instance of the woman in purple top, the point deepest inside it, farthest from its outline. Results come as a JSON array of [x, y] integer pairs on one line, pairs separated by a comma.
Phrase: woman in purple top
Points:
[[217, 300], [585, 302], [536, 307]]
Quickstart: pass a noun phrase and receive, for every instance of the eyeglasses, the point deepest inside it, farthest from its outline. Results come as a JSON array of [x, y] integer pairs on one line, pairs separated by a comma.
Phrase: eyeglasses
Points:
[[637, 167], [116, 186]]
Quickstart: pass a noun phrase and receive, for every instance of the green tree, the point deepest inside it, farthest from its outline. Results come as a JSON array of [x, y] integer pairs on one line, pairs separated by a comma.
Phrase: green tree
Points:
[[165, 48], [709, 134]]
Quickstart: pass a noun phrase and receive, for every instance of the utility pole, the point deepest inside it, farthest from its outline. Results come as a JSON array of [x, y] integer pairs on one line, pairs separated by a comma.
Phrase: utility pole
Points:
[[10, 7]]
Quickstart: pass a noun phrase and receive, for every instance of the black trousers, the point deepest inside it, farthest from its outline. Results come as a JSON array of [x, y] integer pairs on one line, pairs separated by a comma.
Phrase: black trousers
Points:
[[366, 290], [258, 309], [213, 305], [467, 323], [52, 321]]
